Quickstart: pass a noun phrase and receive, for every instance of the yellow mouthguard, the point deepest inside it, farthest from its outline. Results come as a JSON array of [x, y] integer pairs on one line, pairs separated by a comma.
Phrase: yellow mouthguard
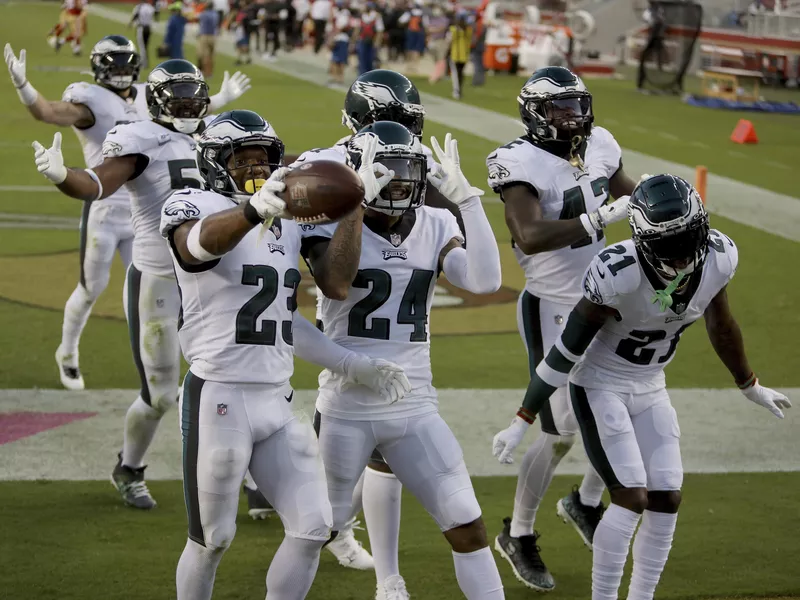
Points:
[[251, 186]]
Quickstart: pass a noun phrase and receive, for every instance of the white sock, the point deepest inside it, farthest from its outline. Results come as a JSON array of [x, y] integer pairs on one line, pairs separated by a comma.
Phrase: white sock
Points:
[[76, 314], [358, 500], [196, 571], [592, 487], [141, 423], [535, 474], [650, 552], [610, 550], [382, 494], [293, 568], [478, 576], [249, 482]]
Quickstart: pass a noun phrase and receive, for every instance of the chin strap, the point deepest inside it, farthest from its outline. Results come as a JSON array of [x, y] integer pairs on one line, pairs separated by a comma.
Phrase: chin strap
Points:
[[664, 297]]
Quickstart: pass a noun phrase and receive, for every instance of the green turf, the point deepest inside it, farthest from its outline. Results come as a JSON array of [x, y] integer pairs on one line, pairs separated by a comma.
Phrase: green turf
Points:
[[638, 123], [736, 536], [308, 116]]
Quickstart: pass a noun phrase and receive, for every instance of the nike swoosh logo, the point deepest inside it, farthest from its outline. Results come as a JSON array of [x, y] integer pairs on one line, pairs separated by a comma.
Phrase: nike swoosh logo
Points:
[[289, 397], [601, 274]]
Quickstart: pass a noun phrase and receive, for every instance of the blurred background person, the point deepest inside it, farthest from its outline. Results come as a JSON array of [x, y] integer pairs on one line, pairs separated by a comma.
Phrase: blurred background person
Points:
[[208, 22], [478, 48], [395, 31], [142, 19], [289, 24], [176, 29], [438, 45], [301, 8], [460, 37], [320, 11], [273, 10], [222, 7], [370, 31], [416, 24], [239, 22], [342, 29]]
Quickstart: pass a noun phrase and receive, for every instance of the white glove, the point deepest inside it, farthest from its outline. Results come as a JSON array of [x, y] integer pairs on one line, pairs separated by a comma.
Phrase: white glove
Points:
[[50, 161], [448, 178], [267, 203], [768, 398], [368, 169], [231, 89], [16, 68], [605, 215], [506, 441], [381, 376]]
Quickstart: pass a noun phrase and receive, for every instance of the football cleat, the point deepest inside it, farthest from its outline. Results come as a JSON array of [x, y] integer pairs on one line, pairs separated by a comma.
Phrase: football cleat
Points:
[[393, 588], [68, 371], [522, 554], [584, 519], [349, 551], [131, 486], [257, 505]]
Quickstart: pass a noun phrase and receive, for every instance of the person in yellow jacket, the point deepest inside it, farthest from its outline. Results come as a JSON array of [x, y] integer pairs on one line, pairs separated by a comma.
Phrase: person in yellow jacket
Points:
[[459, 37]]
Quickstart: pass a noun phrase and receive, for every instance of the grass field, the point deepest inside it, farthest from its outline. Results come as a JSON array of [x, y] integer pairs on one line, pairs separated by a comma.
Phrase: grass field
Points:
[[737, 533]]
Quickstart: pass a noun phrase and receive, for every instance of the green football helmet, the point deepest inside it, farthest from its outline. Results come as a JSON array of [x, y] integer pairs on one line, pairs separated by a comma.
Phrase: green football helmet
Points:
[[383, 95], [177, 95]]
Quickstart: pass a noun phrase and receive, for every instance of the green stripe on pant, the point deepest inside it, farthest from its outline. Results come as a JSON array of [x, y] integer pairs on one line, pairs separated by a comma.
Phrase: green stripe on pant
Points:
[[190, 427], [532, 326], [591, 437]]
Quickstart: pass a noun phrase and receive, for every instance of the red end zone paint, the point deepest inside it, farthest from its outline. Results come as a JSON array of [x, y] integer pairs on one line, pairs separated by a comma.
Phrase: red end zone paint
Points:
[[17, 425]]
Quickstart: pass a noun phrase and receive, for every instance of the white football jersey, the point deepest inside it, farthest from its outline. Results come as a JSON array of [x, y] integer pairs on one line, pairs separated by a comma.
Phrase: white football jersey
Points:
[[236, 312], [564, 192], [630, 352], [387, 312], [168, 163], [109, 109]]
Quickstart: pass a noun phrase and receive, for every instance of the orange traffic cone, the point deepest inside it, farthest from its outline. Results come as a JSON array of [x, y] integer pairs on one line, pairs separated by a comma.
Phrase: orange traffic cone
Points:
[[744, 133]]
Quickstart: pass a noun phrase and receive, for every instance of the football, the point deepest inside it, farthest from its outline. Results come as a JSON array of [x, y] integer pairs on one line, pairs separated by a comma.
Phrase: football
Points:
[[322, 191]]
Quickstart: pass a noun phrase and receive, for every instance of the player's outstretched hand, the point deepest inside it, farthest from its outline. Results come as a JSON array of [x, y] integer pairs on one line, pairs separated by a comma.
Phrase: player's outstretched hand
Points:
[[381, 376], [768, 398], [368, 170], [232, 88], [16, 66], [266, 201], [448, 178], [506, 441], [50, 161]]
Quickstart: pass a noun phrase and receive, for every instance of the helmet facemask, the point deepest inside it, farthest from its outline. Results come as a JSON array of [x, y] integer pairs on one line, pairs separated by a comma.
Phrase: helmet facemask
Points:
[[406, 190], [116, 70], [562, 123], [180, 103], [239, 168]]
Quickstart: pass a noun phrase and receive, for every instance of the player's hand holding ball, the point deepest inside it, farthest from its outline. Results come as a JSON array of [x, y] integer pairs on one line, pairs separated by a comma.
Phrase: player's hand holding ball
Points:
[[266, 201], [368, 169], [381, 376], [50, 161], [448, 178]]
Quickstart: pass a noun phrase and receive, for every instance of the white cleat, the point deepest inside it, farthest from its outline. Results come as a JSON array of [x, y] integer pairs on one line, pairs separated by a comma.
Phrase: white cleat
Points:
[[393, 588], [349, 551], [69, 372]]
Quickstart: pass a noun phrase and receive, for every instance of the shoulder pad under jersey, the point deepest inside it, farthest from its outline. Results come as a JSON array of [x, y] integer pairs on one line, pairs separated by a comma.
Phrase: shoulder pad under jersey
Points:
[[132, 138], [335, 153], [605, 150], [190, 204], [613, 272], [724, 253], [512, 164]]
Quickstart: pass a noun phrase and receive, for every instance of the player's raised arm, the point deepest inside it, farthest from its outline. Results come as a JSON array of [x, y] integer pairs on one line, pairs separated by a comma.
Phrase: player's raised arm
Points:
[[476, 268], [583, 323], [232, 88], [64, 114], [383, 377], [726, 338], [84, 184], [620, 185]]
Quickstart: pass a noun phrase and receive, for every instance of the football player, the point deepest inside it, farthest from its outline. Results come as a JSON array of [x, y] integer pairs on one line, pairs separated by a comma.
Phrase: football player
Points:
[[626, 335], [405, 246], [554, 182], [379, 95], [151, 159], [92, 110], [239, 330]]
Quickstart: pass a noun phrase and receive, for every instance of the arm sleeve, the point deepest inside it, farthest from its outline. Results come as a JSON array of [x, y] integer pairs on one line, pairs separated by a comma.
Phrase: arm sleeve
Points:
[[475, 268], [314, 346]]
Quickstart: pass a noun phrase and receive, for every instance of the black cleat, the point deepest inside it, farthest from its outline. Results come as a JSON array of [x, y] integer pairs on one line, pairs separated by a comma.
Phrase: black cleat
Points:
[[584, 519], [522, 554], [131, 486], [257, 506]]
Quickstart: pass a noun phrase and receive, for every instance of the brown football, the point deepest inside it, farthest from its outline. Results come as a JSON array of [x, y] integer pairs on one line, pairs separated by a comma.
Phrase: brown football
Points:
[[322, 191]]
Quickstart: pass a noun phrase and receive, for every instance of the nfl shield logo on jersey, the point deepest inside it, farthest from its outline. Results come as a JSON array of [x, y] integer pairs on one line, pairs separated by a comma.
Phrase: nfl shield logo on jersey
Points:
[[395, 239], [222, 409]]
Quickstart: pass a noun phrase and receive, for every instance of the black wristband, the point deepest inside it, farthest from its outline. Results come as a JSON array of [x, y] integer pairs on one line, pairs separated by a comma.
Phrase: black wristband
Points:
[[24, 83], [251, 214]]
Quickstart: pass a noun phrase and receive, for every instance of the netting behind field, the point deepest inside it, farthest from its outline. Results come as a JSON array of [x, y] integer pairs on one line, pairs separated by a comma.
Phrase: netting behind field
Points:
[[669, 48]]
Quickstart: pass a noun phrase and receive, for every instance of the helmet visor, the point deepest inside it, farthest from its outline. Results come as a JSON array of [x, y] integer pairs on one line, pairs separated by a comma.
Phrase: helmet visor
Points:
[[186, 99], [119, 63], [680, 249], [569, 113]]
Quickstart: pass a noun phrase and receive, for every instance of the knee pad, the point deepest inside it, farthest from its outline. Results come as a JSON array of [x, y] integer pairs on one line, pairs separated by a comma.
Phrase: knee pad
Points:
[[219, 537], [460, 508], [560, 444]]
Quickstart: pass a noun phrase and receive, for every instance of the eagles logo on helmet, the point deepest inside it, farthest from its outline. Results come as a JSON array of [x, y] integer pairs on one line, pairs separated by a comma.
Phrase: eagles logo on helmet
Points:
[[383, 95]]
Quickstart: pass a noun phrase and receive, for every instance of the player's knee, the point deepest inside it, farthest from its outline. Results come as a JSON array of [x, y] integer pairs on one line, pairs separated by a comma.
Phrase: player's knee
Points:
[[561, 444], [468, 537], [633, 498], [219, 537], [461, 509], [162, 399], [664, 501]]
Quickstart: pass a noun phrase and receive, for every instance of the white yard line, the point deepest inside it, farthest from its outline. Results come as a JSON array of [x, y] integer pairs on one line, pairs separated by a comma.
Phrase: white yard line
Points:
[[768, 211], [720, 432]]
